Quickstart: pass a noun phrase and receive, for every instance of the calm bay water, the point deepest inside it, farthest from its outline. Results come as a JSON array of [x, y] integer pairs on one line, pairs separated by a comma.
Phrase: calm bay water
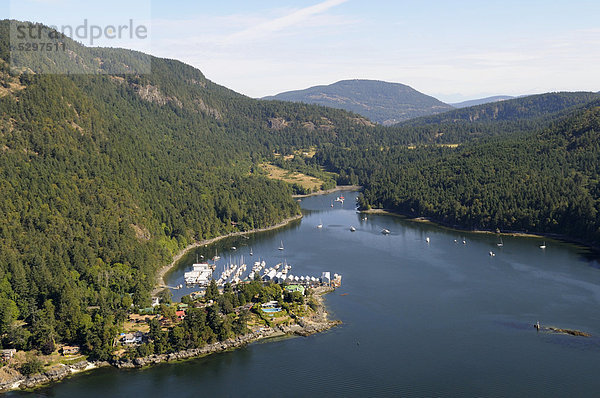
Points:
[[420, 319]]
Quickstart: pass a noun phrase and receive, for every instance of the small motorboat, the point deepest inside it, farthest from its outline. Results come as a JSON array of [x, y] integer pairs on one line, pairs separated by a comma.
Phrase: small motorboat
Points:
[[352, 229], [385, 231]]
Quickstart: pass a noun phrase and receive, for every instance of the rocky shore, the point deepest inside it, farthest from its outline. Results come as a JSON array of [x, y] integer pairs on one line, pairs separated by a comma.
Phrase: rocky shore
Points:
[[56, 373], [318, 322], [226, 345]]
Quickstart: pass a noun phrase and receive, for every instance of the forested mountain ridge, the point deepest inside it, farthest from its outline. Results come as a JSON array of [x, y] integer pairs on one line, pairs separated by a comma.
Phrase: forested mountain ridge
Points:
[[382, 102], [523, 108], [546, 180], [519, 115]]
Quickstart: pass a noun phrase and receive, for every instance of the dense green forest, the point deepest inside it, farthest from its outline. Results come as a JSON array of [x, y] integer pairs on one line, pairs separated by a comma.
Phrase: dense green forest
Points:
[[542, 179]]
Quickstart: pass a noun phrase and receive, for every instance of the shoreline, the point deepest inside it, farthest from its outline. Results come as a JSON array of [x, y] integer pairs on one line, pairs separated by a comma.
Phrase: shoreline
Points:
[[520, 234], [302, 328], [328, 191], [163, 271]]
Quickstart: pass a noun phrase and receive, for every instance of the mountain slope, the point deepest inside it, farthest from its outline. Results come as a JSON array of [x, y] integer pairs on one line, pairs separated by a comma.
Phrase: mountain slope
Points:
[[381, 102], [104, 177]]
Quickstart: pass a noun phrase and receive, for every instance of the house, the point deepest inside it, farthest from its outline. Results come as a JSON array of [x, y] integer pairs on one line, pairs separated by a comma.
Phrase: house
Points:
[[132, 338], [180, 315], [70, 350], [7, 354], [155, 301], [270, 304], [295, 288]]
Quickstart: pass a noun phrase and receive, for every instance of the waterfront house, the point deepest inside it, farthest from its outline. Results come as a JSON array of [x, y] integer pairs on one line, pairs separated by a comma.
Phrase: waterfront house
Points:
[[70, 350], [180, 315], [132, 338], [7, 354], [270, 304]]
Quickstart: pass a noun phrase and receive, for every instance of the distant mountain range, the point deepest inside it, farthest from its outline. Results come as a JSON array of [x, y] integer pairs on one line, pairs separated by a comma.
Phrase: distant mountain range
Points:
[[481, 101], [382, 102]]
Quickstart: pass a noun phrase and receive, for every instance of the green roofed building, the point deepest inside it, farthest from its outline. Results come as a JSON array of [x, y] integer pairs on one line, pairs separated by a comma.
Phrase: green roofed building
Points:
[[295, 288]]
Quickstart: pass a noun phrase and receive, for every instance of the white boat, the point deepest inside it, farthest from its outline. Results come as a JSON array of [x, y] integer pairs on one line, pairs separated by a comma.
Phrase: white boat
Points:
[[492, 254], [332, 203], [385, 231], [543, 246], [233, 248], [340, 199], [252, 254], [320, 225], [352, 229], [427, 239], [281, 246], [500, 244], [464, 241]]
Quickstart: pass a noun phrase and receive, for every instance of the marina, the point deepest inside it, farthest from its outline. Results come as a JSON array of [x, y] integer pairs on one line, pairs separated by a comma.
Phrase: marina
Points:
[[236, 271]]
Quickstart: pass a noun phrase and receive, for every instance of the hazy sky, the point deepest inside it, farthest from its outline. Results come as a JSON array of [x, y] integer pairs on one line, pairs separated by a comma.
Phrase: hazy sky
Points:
[[453, 50]]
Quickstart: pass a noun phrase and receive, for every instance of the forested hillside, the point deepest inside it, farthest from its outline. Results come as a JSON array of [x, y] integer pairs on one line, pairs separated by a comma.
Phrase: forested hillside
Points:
[[105, 177], [545, 180]]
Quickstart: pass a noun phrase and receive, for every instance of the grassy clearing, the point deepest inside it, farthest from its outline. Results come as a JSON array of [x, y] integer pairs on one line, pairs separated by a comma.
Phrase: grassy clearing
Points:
[[291, 177]]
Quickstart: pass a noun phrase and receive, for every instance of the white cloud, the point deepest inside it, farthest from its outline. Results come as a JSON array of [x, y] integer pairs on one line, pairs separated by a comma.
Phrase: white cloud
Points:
[[278, 24]]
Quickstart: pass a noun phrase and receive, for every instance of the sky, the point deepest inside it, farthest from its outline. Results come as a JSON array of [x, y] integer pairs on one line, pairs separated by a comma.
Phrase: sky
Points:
[[452, 50]]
